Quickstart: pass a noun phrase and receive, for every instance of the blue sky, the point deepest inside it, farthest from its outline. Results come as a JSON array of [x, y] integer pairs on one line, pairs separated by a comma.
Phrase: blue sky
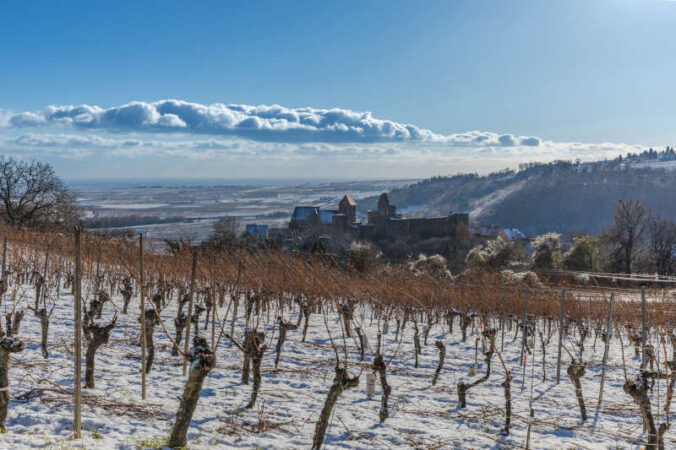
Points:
[[450, 85]]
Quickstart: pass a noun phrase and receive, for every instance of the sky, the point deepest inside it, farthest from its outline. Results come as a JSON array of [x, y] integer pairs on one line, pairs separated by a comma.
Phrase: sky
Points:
[[363, 89]]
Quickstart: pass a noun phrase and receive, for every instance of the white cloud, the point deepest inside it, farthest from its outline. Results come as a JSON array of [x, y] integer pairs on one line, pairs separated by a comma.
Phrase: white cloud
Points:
[[72, 140], [223, 139], [4, 118], [186, 146], [261, 123]]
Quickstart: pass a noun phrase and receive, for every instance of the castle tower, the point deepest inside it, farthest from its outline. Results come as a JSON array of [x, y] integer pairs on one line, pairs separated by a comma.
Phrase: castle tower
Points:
[[348, 207]]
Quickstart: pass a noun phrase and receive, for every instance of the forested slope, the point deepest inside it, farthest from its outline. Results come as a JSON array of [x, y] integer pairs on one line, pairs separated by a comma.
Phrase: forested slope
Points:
[[561, 196]]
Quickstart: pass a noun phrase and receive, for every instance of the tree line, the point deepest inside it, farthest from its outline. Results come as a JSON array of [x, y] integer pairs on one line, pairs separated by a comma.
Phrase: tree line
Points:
[[637, 241]]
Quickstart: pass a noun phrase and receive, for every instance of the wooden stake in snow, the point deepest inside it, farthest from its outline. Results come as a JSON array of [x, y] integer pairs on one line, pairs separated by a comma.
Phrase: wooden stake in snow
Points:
[[609, 332], [525, 328], [192, 294], [143, 318], [213, 302], [502, 318], [4, 285], [643, 327], [561, 319], [77, 351], [58, 274]]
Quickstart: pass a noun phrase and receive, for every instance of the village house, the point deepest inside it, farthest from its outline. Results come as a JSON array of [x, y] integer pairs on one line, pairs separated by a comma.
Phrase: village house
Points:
[[493, 231], [257, 231]]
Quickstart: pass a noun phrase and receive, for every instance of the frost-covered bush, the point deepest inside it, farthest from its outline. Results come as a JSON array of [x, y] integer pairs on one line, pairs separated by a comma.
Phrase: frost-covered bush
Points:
[[529, 279], [363, 256], [508, 276], [434, 265], [496, 253], [526, 278], [547, 251]]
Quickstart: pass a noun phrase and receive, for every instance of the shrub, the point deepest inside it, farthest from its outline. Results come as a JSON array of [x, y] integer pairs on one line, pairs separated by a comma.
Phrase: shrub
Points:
[[434, 265], [496, 253], [547, 251], [584, 254], [363, 256]]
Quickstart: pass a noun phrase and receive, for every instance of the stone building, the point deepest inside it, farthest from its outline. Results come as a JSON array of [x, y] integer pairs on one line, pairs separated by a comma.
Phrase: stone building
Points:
[[386, 223], [383, 223], [342, 219]]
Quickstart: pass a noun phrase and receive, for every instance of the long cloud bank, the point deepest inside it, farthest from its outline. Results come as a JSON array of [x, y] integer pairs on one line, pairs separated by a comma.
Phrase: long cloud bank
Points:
[[89, 144], [260, 123]]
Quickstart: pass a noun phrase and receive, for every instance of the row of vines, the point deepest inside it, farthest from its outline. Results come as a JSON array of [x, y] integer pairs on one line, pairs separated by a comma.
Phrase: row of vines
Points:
[[234, 296]]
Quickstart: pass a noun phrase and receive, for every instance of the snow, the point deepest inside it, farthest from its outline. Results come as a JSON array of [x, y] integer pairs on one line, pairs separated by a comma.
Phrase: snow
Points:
[[133, 205], [421, 415]]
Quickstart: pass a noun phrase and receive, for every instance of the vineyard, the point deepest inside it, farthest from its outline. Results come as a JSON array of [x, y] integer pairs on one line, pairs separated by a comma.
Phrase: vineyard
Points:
[[264, 349]]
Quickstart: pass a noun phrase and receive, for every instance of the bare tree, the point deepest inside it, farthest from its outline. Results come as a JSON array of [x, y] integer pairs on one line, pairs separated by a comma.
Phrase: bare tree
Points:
[[662, 244], [31, 195], [624, 236], [225, 231]]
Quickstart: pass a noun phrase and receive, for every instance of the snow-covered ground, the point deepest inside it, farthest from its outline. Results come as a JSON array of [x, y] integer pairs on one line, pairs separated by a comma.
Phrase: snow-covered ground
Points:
[[421, 415]]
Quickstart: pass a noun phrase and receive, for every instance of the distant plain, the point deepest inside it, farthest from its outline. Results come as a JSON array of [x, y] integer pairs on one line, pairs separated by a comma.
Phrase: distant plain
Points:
[[188, 208]]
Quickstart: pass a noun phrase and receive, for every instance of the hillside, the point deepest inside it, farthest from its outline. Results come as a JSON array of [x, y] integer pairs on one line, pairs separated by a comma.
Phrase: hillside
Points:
[[563, 196]]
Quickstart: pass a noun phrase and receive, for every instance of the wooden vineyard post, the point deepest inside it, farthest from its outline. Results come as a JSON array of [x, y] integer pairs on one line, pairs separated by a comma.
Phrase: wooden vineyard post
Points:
[[43, 291], [643, 328], [524, 342], [558, 355], [143, 319], [609, 331], [4, 261], [77, 410], [502, 320], [525, 324], [186, 347], [58, 274], [98, 266], [213, 302]]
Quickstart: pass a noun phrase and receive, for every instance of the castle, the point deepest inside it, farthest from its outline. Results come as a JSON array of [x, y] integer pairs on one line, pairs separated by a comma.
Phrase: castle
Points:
[[384, 222], [342, 219]]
